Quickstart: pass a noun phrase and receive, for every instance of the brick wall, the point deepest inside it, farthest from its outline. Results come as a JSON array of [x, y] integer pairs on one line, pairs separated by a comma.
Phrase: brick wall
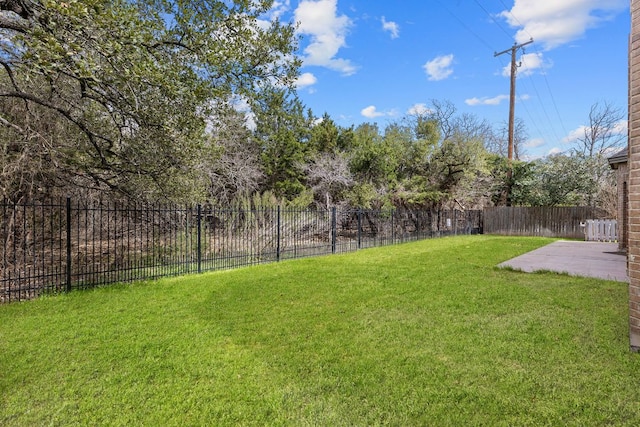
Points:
[[634, 176]]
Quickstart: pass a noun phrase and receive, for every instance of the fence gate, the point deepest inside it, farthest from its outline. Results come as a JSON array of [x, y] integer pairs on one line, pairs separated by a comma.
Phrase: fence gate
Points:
[[600, 230]]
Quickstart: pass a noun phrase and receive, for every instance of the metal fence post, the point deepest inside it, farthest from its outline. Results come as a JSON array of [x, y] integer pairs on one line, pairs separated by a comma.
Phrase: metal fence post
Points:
[[333, 230], [199, 245], [393, 227], [68, 285], [359, 228], [455, 222], [278, 236]]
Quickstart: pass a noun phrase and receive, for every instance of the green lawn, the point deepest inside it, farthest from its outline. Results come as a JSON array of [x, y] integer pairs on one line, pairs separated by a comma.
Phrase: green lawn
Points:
[[425, 333]]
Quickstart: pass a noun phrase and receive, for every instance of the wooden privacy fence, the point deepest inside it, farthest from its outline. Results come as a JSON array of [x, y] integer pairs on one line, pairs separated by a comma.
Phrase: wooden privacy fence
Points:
[[563, 222]]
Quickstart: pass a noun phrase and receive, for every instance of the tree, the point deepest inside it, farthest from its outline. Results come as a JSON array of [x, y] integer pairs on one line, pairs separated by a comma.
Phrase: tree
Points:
[[443, 112], [455, 164], [518, 184], [498, 143], [327, 171], [324, 135], [371, 159], [233, 164], [373, 165], [117, 92], [605, 134], [416, 139], [447, 155], [282, 133], [559, 179], [330, 178]]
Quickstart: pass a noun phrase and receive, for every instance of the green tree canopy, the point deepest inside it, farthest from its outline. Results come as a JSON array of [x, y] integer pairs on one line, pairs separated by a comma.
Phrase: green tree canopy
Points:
[[557, 180], [282, 132], [116, 93]]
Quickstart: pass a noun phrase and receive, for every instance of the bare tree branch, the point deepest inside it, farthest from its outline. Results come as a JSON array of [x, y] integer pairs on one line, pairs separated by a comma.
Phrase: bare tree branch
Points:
[[93, 138]]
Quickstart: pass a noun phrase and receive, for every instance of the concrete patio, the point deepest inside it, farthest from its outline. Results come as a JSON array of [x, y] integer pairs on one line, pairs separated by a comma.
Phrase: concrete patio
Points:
[[576, 258]]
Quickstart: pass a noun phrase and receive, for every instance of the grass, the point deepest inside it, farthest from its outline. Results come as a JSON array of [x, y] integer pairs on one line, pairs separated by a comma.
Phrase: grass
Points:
[[424, 333]]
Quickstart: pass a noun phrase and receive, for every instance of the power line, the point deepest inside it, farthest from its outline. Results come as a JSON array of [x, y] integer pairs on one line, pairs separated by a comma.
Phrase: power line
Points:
[[483, 41], [544, 109], [544, 74], [542, 130], [512, 102], [493, 18], [512, 93]]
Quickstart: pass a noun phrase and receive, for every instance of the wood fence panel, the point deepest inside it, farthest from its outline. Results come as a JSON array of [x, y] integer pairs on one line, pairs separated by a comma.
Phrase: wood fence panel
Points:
[[553, 221]]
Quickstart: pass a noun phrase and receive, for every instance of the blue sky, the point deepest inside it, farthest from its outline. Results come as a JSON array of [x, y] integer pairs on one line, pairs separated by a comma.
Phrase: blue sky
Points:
[[378, 61]]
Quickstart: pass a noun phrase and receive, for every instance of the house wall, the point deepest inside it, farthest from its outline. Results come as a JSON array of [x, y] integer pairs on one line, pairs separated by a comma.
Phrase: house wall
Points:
[[634, 177]]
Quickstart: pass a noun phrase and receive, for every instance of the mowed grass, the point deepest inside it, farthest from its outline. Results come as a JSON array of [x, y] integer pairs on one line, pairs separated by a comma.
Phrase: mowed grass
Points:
[[425, 333]]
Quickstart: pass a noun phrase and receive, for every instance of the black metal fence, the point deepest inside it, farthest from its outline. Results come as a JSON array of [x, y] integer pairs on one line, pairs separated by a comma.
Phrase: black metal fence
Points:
[[65, 245]]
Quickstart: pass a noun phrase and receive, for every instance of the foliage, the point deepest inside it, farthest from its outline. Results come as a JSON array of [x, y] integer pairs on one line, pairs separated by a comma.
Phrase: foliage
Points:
[[364, 195], [603, 137], [325, 135], [233, 165], [396, 335], [372, 159], [329, 177], [187, 100], [518, 186], [498, 142], [117, 92], [442, 160], [282, 133], [557, 180]]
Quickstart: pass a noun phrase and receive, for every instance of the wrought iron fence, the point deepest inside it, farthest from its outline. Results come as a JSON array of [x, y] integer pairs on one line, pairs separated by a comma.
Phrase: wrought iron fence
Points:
[[65, 245]]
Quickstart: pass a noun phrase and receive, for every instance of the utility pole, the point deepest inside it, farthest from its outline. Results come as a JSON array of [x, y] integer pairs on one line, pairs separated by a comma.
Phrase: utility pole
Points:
[[512, 107]]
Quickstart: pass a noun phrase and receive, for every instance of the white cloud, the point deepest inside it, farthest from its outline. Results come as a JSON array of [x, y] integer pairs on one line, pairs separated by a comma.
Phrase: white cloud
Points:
[[534, 143], [278, 8], [575, 134], [392, 27], [418, 110], [554, 23], [241, 104], [327, 31], [496, 100], [305, 80], [371, 112], [439, 68], [619, 128], [529, 63], [553, 151]]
